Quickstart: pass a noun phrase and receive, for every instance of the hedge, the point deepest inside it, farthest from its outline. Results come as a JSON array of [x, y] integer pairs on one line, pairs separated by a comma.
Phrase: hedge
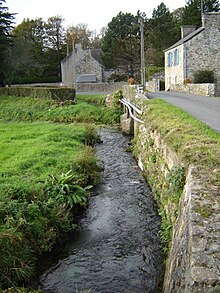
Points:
[[56, 93]]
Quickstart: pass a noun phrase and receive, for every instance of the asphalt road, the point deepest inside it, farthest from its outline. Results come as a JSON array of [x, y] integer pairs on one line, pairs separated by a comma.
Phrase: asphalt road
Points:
[[204, 108]]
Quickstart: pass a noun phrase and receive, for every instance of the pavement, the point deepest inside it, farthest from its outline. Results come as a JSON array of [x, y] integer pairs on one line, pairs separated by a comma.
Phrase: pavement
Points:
[[206, 109]]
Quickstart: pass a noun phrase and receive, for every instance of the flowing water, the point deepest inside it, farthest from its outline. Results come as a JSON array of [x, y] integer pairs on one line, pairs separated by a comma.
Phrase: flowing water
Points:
[[117, 248]]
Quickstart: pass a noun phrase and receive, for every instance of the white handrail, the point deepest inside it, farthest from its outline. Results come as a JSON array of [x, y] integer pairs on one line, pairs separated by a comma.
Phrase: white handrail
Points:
[[129, 106]]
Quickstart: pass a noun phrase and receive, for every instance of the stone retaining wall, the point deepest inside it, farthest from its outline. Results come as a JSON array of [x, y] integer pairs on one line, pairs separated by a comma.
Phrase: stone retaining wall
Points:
[[204, 89], [193, 264], [194, 258]]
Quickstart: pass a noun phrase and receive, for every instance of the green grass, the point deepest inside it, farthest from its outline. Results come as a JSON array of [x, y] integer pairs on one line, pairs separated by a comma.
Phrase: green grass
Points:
[[194, 143], [192, 140], [86, 109], [46, 167], [30, 151]]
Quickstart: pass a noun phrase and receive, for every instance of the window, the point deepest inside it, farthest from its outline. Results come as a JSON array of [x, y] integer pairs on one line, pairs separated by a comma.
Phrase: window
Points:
[[176, 57], [170, 59]]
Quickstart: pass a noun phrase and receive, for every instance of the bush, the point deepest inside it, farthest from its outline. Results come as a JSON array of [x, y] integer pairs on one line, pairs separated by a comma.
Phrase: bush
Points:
[[162, 85], [204, 76], [56, 93]]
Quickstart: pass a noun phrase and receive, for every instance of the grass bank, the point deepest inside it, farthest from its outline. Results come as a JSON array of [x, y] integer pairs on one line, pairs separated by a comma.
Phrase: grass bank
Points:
[[188, 142], [86, 109], [46, 170]]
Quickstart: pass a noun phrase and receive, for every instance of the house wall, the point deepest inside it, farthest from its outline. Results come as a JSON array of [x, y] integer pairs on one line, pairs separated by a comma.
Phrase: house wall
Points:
[[174, 74], [203, 51], [67, 71], [88, 65], [79, 62]]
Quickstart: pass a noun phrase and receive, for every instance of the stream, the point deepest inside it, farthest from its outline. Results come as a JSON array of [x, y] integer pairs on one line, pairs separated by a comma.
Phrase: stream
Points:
[[117, 248]]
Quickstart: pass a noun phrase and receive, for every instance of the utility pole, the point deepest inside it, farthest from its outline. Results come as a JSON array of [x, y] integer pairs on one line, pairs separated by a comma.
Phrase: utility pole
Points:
[[202, 7], [142, 53]]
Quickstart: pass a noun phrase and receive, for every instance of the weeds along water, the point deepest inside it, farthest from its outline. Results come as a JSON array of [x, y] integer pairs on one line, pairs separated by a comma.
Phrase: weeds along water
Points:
[[46, 168]]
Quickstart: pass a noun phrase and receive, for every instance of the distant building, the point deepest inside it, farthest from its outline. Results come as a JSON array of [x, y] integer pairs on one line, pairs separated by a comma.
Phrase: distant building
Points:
[[83, 66], [197, 50]]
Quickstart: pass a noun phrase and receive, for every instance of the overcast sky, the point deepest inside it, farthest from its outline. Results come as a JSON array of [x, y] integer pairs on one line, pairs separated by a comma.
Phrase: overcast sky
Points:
[[95, 13]]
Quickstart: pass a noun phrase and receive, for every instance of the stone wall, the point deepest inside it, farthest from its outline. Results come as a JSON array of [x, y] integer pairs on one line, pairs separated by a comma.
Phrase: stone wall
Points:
[[193, 265], [99, 87], [202, 52], [206, 89], [193, 261], [153, 85]]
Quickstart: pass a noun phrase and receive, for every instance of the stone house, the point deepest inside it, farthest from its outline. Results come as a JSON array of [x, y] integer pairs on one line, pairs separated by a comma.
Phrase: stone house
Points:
[[198, 49], [83, 66]]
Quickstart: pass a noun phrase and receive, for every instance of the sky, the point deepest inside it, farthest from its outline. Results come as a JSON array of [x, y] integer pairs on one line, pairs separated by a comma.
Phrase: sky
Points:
[[95, 13]]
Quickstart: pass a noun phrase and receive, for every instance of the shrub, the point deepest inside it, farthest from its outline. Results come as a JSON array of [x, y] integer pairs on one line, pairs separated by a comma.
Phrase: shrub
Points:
[[187, 80], [162, 85], [204, 76], [56, 93]]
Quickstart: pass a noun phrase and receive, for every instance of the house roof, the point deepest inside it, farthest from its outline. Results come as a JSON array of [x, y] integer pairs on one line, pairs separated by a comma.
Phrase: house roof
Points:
[[86, 78], [186, 38], [96, 54]]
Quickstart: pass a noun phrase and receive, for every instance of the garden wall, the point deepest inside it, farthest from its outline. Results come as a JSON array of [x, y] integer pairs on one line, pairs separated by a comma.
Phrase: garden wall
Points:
[[106, 87], [204, 89]]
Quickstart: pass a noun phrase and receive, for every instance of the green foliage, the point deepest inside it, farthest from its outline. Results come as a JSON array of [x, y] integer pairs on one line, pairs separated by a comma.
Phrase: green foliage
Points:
[[162, 31], [85, 110], [116, 99], [118, 77], [151, 70], [6, 22], [192, 12], [120, 46], [37, 51], [35, 210], [56, 93], [65, 189], [204, 76], [176, 179]]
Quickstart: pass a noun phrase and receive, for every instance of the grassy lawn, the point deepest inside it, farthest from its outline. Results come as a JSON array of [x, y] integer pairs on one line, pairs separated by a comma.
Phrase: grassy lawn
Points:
[[30, 151], [46, 167]]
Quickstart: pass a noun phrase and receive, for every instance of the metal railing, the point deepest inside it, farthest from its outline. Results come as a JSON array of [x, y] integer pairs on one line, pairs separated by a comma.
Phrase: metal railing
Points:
[[131, 107]]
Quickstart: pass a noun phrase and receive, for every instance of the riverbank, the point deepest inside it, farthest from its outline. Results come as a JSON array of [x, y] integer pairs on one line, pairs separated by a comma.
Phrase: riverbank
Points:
[[47, 165], [180, 157]]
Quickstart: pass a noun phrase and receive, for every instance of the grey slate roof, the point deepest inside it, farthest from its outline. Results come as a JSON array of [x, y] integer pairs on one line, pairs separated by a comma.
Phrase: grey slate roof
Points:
[[186, 38], [86, 78]]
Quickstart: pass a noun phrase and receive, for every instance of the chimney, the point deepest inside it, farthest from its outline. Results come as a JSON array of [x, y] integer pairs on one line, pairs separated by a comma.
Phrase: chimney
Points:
[[186, 30], [211, 20]]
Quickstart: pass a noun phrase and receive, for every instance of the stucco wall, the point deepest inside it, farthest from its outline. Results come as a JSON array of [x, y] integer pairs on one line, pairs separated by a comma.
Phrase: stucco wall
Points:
[[67, 71], [174, 74]]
